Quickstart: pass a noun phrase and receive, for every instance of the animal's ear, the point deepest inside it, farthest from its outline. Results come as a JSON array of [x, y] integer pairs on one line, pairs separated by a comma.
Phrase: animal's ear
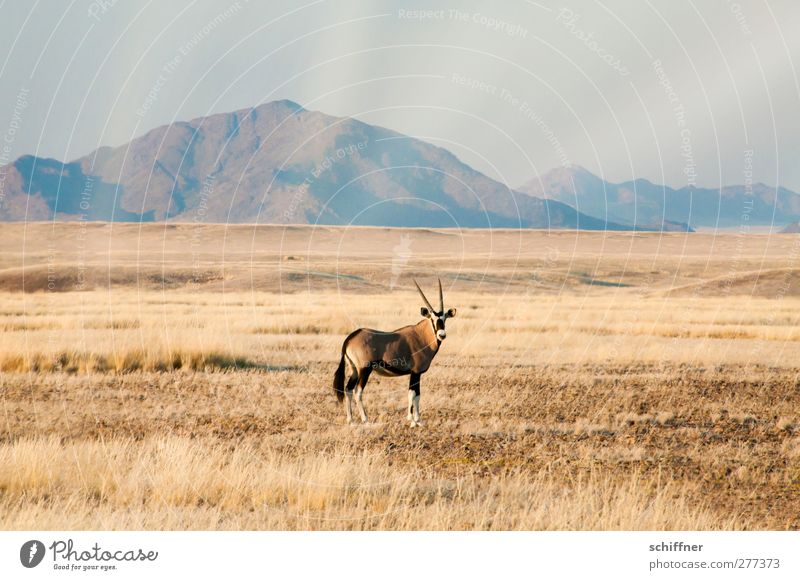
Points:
[[451, 313], [424, 311]]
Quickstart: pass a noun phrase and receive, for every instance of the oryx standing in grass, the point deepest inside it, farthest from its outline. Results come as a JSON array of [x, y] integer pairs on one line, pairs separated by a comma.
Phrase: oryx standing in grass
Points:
[[405, 351]]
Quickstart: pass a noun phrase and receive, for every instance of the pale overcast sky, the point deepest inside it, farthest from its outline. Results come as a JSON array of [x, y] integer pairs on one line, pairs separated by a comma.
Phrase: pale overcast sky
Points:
[[672, 91]]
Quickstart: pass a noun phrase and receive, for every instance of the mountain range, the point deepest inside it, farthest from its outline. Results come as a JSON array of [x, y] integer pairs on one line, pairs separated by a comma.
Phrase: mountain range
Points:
[[276, 163], [643, 203], [281, 163]]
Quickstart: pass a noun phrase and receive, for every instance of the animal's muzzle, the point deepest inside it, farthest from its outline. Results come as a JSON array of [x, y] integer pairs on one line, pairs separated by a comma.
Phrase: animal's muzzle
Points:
[[441, 334]]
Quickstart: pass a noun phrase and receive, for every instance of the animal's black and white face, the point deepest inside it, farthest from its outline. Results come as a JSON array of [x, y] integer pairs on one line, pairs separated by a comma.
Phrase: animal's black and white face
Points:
[[438, 319]]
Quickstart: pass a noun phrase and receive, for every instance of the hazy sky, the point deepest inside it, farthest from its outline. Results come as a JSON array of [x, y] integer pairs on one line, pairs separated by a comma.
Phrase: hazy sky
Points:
[[673, 91]]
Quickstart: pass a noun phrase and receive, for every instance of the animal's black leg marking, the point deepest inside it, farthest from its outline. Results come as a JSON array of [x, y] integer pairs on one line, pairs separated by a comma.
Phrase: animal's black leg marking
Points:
[[414, 383]]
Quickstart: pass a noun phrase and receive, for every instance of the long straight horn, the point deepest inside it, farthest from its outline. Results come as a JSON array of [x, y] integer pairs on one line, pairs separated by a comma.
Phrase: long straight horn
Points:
[[421, 293], [441, 296]]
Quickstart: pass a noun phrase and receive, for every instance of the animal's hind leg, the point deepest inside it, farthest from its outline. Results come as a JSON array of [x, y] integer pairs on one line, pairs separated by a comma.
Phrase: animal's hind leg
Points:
[[348, 406], [363, 376], [348, 391]]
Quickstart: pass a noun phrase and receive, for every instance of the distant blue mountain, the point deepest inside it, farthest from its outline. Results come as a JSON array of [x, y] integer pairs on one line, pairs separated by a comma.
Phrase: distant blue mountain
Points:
[[641, 203]]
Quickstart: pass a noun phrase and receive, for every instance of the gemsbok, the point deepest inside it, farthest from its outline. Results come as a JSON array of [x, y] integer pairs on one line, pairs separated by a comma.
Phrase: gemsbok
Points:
[[405, 351]]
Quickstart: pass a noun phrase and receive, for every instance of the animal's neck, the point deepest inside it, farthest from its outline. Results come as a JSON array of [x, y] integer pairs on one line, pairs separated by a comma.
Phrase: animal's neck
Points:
[[425, 329]]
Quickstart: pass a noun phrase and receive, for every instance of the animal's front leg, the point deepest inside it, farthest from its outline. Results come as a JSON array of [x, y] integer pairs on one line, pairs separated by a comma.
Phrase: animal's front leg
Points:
[[413, 400]]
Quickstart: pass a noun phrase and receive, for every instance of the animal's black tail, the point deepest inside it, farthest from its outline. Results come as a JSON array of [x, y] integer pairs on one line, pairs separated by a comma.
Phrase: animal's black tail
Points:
[[338, 380]]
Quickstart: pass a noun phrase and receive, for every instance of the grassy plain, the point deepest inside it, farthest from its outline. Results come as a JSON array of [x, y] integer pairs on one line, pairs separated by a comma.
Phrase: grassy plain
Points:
[[178, 377]]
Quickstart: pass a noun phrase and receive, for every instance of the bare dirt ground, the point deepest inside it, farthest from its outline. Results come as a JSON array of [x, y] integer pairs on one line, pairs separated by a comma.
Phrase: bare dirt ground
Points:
[[179, 377]]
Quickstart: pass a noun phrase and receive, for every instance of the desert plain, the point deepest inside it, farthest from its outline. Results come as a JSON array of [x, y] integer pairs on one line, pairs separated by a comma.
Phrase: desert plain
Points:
[[178, 376]]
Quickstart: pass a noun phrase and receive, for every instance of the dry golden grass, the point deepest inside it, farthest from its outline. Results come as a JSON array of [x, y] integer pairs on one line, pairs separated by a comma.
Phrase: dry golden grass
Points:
[[123, 330], [172, 400], [200, 484]]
